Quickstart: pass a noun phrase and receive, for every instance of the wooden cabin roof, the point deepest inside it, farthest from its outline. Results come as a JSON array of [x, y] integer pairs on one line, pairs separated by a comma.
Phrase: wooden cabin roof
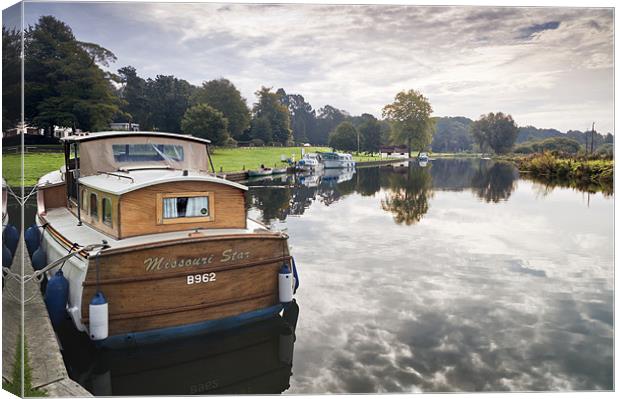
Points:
[[113, 134], [123, 182]]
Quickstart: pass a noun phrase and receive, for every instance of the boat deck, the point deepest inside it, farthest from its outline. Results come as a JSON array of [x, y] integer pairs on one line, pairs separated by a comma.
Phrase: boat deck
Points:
[[63, 221]]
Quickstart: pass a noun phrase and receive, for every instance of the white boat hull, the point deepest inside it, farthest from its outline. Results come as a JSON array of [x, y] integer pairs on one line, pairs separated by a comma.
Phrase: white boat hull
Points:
[[338, 164], [74, 270]]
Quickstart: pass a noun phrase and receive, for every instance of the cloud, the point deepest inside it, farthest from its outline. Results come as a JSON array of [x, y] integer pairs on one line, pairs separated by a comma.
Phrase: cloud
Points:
[[467, 60]]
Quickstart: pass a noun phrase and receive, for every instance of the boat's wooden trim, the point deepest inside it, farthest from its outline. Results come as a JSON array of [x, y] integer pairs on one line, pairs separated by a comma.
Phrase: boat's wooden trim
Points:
[[194, 239], [159, 312], [59, 237], [185, 272]]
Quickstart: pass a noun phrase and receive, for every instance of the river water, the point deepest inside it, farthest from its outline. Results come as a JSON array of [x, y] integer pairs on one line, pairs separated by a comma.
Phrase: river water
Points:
[[456, 276]]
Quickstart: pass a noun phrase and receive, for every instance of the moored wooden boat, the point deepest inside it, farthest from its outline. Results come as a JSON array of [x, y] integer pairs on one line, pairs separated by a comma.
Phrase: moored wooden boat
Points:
[[177, 253]]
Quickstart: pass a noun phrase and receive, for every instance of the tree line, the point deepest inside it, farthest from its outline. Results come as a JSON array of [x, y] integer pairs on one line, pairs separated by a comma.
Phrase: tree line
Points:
[[65, 85]]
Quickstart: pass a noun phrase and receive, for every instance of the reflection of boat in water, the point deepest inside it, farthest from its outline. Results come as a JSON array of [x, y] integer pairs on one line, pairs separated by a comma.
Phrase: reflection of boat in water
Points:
[[176, 253], [338, 175], [422, 163], [337, 160], [310, 180], [255, 359]]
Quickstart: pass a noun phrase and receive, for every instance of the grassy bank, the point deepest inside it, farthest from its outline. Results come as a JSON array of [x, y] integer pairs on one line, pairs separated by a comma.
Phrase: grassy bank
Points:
[[580, 170], [226, 159]]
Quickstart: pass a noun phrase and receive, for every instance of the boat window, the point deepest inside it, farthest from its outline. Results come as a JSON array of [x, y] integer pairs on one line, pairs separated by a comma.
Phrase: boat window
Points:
[[147, 152], [106, 211], [186, 207], [93, 206]]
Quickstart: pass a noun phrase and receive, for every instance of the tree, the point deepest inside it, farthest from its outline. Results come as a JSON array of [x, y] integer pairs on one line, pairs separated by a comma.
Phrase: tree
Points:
[[344, 137], [63, 84], [11, 77], [452, 135], [261, 129], [135, 107], [497, 131], [204, 121], [168, 99], [410, 113], [270, 108], [222, 95], [370, 134], [328, 118], [303, 117]]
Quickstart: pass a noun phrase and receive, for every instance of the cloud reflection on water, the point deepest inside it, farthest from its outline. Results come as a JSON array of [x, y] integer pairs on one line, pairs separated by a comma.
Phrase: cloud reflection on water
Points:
[[478, 295]]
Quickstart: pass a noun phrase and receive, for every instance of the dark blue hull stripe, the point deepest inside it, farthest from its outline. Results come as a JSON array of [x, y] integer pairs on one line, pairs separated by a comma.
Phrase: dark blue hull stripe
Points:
[[188, 330]]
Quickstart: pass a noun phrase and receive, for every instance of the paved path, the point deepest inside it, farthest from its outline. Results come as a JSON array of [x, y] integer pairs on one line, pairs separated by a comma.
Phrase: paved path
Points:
[[48, 369]]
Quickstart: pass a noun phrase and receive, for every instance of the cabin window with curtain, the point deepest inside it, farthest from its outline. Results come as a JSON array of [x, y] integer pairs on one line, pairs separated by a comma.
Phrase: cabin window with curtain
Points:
[[93, 206], [106, 211], [185, 207]]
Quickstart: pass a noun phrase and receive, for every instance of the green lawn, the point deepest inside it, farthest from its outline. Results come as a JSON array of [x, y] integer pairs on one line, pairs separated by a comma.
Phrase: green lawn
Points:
[[35, 166], [226, 159], [244, 158]]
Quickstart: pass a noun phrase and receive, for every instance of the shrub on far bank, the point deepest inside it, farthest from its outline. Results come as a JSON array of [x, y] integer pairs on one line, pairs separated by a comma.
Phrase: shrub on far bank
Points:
[[605, 151], [558, 144], [579, 168]]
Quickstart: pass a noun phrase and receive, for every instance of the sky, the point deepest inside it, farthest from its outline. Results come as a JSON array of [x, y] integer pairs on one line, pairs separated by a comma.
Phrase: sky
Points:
[[549, 67]]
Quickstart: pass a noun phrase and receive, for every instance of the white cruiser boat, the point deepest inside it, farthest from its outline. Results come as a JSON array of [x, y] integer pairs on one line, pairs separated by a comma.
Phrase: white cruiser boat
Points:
[[337, 160], [310, 162]]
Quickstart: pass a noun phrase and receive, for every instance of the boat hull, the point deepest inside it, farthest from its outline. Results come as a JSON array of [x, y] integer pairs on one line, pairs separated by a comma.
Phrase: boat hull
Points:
[[177, 283], [337, 164]]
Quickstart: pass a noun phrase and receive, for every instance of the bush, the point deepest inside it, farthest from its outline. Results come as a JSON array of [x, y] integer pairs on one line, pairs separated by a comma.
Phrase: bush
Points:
[[560, 145], [578, 168], [605, 151]]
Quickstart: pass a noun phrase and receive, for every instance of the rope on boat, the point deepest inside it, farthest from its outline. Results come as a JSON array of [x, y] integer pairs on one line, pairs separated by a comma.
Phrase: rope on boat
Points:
[[38, 274], [21, 200]]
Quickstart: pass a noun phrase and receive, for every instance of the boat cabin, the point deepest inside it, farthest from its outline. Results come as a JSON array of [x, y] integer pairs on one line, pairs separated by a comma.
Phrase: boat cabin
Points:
[[127, 184]]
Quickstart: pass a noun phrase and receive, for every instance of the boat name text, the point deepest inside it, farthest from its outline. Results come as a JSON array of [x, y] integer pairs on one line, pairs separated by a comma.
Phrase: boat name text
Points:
[[161, 263]]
